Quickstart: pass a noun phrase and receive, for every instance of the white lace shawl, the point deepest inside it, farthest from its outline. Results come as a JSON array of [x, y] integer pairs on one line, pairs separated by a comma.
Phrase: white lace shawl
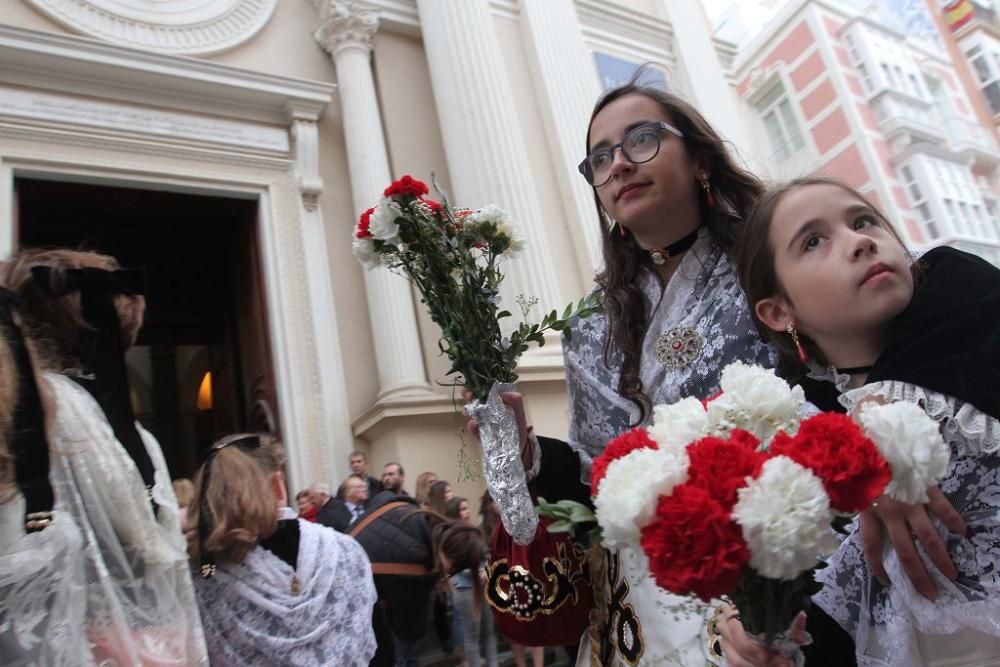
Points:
[[140, 606], [896, 626], [704, 294], [253, 616], [42, 606]]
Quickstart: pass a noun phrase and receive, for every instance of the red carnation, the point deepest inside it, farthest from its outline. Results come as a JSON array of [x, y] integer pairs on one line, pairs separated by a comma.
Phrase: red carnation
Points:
[[362, 231], [836, 450], [406, 186], [722, 466], [627, 442], [693, 544]]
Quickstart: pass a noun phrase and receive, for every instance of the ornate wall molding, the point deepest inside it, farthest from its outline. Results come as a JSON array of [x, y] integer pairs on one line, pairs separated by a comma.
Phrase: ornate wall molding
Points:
[[191, 27], [345, 24]]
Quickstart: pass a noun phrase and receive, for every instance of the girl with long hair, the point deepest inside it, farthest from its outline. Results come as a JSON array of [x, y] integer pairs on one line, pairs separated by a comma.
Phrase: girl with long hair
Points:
[[833, 287], [274, 589], [80, 312]]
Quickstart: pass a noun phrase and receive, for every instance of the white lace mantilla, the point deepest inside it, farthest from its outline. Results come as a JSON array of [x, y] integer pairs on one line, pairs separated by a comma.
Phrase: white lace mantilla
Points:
[[140, 606], [254, 615], [969, 431], [707, 323], [42, 605], [896, 626]]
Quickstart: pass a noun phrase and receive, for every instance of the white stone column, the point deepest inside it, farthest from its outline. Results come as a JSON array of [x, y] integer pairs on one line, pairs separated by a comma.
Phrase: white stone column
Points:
[[335, 438], [567, 86], [713, 95], [346, 31], [487, 158]]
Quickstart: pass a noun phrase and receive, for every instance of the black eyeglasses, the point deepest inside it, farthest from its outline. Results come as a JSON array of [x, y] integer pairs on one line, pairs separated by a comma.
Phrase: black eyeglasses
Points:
[[641, 144]]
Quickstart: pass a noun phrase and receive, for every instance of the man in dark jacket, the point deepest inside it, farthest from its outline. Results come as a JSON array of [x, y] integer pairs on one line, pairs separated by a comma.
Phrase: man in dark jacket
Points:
[[359, 466], [398, 543], [342, 514]]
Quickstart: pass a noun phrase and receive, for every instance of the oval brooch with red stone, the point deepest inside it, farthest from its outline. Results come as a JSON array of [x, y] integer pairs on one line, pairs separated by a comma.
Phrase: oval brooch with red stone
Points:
[[678, 347]]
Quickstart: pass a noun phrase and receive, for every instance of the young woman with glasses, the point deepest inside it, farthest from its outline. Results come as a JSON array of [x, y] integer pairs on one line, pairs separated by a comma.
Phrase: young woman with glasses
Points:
[[670, 202], [274, 589]]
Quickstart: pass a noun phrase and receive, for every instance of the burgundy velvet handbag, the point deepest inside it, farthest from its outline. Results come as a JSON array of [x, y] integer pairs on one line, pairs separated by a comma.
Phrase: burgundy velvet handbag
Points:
[[540, 593]]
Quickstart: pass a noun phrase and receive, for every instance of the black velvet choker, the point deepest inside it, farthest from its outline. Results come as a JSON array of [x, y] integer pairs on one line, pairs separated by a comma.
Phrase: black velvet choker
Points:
[[659, 256], [855, 370]]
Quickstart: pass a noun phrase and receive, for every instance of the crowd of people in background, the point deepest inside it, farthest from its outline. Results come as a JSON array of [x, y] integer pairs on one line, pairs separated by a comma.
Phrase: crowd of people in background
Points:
[[457, 540]]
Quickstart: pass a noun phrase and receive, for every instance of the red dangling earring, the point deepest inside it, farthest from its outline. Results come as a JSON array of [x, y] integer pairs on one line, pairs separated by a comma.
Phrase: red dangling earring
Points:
[[707, 187], [803, 355], [621, 230]]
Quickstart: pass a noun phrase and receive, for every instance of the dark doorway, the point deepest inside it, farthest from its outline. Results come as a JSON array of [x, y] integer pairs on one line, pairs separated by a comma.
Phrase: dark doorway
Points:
[[201, 367]]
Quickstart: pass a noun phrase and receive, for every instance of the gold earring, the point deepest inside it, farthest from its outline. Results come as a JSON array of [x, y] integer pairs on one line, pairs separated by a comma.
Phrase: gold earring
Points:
[[803, 355]]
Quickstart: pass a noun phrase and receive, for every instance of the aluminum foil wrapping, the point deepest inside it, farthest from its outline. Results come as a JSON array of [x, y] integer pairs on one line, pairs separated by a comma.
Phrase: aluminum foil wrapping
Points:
[[502, 467]]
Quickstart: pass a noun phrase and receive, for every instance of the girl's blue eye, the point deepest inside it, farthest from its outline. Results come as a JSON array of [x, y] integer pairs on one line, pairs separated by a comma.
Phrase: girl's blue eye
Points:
[[811, 243]]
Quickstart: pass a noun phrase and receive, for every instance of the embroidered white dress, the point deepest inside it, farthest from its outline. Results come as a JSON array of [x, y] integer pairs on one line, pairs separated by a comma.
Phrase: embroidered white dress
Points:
[[896, 626], [697, 325], [255, 615], [140, 606]]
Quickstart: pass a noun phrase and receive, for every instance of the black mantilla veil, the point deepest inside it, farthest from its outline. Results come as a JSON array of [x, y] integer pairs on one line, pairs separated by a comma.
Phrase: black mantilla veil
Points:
[[948, 338], [101, 349], [28, 444]]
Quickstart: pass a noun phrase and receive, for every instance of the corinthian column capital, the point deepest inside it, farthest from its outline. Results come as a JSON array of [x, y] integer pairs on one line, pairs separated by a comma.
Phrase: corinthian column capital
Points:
[[345, 24]]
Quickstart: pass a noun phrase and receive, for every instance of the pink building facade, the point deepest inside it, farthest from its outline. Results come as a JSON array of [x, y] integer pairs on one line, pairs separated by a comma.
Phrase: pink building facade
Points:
[[826, 90]]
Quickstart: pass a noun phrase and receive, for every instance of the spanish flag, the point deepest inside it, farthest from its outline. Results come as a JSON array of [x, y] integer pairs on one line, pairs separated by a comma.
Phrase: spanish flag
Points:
[[958, 13]]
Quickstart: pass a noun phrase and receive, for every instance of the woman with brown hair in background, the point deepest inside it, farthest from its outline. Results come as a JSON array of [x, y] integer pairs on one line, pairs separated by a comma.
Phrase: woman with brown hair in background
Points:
[[424, 481], [460, 547], [438, 496], [274, 589], [81, 312]]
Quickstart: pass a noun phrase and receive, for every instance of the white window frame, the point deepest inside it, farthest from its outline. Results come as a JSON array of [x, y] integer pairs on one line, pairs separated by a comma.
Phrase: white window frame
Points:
[[915, 190], [790, 143], [981, 53]]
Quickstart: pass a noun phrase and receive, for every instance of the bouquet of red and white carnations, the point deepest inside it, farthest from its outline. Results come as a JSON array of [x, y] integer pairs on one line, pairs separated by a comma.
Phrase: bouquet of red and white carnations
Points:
[[738, 495], [454, 258]]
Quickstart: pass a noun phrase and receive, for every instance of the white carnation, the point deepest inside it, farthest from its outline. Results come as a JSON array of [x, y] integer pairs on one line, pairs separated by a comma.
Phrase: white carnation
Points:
[[382, 223], [630, 490], [912, 444], [756, 400], [785, 516], [364, 251], [678, 424], [513, 234], [491, 213], [500, 219]]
